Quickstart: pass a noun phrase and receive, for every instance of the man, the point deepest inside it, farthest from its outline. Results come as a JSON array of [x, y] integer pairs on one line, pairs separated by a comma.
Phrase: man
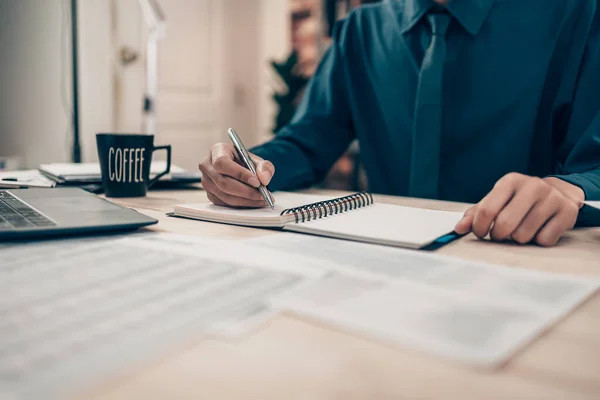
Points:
[[491, 102]]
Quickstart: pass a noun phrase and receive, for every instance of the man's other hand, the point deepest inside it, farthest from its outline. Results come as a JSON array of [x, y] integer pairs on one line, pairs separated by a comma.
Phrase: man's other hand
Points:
[[525, 209], [228, 183]]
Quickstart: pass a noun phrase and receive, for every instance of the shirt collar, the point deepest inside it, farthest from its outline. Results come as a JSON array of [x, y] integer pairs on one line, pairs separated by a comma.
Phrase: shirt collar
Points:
[[471, 14]]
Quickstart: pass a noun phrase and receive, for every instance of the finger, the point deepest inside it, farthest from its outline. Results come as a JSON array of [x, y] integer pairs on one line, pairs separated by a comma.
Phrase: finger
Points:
[[232, 187], [224, 182], [228, 199], [558, 225], [208, 185], [265, 170], [223, 161], [465, 224], [541, 213], [227, 184], [488, 208], [214, 199], [515, 211]]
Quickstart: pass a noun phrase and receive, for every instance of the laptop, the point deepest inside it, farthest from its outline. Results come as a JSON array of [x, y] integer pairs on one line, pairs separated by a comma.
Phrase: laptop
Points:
[[46, 212]]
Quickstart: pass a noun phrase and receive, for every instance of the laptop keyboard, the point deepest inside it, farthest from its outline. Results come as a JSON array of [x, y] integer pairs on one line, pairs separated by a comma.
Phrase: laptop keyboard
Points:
[[15, 214]]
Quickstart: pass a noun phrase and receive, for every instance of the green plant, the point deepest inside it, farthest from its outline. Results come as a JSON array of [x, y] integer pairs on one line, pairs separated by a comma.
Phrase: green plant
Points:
[[287, 101]]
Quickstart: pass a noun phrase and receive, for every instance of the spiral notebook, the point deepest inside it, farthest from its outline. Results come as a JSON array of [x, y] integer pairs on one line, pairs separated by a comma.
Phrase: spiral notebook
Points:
[[354, 217]]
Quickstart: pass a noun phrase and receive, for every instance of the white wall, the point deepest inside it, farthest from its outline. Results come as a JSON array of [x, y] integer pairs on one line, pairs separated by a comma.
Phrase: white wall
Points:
[[35, 80], [35, 74], [96, 86], [256, 32], [274, 43]]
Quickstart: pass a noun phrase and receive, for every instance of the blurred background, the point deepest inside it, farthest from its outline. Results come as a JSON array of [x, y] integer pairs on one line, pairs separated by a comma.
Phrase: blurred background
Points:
[[219, 63]]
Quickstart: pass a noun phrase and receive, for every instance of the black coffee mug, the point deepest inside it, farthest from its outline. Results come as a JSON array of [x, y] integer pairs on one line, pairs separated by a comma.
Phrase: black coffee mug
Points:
[[125, 161]]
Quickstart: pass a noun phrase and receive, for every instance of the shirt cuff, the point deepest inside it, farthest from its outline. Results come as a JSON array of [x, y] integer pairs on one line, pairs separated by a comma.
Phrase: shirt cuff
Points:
[[589, 182], [291, 170]]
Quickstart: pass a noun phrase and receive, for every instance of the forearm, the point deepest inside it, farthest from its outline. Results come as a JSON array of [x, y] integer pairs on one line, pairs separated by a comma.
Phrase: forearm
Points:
[[579, 152], [292, 167], [580, 186], [304, 150]]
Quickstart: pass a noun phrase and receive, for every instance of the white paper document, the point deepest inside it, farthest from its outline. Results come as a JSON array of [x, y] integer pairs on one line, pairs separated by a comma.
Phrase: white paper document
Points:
[[25, 178], [595, 204], [76, 310], [472, 312], [89, 169]]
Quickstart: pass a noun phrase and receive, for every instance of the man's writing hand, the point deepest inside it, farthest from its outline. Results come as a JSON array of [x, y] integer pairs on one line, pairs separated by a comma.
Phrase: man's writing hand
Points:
[[228, 183]]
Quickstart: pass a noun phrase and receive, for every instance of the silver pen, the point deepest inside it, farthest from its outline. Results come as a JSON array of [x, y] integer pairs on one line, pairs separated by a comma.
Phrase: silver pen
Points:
[[245, 157]]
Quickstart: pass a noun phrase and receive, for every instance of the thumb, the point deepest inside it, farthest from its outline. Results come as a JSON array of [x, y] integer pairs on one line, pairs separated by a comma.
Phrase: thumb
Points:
[[265, 170], [466, 223]]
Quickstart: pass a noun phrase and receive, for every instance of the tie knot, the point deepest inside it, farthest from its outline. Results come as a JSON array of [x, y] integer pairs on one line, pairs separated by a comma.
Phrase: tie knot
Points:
[[439, 23]]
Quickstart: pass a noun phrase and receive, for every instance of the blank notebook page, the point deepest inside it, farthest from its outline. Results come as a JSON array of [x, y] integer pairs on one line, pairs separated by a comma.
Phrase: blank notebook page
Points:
[[385, 224], [254, 217]]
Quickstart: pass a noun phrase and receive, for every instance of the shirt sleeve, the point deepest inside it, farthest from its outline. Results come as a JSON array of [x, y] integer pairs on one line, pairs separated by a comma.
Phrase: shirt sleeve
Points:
[[579, 152], [321, 129]]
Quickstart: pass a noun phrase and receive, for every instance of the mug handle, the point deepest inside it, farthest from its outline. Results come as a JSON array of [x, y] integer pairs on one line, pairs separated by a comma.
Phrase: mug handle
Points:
[[158, 176]]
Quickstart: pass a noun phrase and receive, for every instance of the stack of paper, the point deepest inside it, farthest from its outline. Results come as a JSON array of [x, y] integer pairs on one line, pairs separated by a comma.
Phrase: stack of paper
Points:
[[26, 178], [472, 312], [76, 312]]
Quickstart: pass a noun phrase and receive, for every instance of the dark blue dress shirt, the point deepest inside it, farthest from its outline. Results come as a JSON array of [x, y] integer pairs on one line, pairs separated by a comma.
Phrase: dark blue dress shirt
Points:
[[521, 93]]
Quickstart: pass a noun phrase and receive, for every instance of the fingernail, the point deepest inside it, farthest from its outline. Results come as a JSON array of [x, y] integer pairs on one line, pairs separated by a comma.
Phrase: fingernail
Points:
[[253, 181], [460, 225]]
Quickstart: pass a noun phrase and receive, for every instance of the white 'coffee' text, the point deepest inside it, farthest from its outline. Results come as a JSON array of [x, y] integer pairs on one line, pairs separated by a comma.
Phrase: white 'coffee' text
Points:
[[120, 168]]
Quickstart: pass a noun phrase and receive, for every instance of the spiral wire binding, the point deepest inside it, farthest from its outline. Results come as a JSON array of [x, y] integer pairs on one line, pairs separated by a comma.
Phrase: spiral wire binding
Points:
[[329, 207]]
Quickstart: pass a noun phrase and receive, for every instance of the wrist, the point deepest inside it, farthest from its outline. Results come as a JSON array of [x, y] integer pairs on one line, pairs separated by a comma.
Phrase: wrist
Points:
[[573, 192]]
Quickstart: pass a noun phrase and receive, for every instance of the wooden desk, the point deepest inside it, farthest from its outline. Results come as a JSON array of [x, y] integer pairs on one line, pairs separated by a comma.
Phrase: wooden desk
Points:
[[293, 359]]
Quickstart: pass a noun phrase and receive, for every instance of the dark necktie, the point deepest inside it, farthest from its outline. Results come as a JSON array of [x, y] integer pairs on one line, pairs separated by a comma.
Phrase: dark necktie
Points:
[[427, 124]]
